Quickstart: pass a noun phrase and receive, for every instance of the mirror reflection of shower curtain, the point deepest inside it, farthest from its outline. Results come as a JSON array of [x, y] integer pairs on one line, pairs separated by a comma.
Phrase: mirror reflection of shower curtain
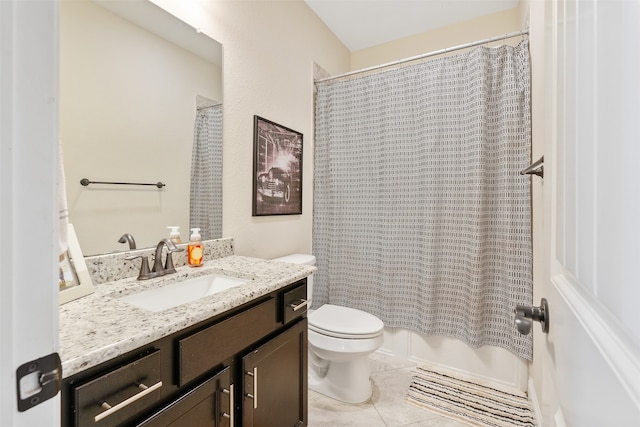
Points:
[[205, 210]]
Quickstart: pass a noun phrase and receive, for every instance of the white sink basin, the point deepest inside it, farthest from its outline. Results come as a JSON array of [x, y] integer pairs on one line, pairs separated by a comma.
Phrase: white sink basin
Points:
[[179, 293]]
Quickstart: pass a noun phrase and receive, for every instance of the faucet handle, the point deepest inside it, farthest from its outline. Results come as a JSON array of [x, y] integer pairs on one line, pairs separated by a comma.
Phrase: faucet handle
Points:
[[144, 267], [168, 264]]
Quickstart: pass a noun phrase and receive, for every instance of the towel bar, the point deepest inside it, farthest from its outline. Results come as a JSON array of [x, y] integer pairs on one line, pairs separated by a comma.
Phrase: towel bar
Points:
[[85, 182]]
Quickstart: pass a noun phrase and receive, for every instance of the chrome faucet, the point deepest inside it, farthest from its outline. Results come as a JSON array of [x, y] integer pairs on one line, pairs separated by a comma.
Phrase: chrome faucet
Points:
[[167, 268], [158, 269], [128, 238]]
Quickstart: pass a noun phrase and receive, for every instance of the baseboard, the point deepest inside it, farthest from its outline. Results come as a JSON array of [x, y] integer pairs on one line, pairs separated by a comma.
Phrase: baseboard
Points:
[[535, 404]]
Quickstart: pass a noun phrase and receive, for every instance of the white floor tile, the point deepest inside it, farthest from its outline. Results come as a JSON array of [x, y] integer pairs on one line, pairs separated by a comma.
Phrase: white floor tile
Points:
[[387, 407], [327, 412]]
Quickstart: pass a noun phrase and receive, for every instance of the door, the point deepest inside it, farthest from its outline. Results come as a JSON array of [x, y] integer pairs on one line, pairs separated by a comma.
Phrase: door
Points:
[[591, 196], [210, 403], [275, 381], [28, 205]]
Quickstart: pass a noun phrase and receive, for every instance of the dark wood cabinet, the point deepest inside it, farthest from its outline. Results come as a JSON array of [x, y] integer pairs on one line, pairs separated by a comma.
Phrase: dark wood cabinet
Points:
[[209, 404], [198, 376], [222, 340], [275, 381], [120, 393]]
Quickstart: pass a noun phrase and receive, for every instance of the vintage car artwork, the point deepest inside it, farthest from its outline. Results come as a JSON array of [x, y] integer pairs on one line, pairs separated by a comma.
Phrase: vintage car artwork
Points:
[[275, 185]]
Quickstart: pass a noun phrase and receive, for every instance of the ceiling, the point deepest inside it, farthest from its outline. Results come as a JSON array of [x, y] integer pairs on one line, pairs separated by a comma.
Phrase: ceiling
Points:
[[360, 24]]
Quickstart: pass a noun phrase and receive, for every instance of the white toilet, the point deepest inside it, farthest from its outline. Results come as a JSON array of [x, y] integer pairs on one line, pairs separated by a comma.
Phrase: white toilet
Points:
[[340, 341]]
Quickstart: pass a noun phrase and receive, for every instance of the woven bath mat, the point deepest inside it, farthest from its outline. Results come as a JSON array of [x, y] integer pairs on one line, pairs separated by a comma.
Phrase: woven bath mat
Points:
[[462, 399]]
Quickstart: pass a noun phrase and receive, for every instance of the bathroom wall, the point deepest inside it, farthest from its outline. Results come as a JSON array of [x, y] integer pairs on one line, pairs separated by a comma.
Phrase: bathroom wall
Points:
[[269, 51], [452, 35]]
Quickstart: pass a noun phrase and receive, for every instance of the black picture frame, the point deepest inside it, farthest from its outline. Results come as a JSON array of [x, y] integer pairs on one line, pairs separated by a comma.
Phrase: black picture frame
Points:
[[277, 169]]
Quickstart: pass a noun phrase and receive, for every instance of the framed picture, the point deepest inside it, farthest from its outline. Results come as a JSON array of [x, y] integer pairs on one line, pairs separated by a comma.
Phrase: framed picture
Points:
[[277, 169], [73, 277]]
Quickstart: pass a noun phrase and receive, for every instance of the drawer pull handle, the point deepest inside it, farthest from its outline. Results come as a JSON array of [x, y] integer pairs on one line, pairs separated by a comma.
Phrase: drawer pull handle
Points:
[[229, 416], [295, 307], [111, 409], [254, 396]]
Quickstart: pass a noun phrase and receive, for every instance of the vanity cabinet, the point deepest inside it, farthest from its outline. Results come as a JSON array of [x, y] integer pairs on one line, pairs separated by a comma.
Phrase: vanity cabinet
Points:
[[274, 389], [244, 367]]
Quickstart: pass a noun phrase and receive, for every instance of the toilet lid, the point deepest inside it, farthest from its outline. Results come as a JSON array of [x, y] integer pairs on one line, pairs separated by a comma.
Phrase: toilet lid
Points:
[[344, 322]]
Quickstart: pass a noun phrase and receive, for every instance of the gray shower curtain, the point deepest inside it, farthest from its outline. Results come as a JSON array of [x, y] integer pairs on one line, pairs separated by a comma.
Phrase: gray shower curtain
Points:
[[420, 215], [205, 210]]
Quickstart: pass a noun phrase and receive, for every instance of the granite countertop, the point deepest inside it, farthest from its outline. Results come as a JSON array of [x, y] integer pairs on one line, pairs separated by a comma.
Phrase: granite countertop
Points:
[[99, 327]]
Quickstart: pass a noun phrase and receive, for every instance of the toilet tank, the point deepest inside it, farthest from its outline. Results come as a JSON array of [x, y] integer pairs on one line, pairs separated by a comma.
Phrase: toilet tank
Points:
[[304, 259]]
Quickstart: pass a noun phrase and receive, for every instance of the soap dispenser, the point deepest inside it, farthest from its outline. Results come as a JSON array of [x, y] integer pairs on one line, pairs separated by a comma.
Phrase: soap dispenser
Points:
[[174, 235], [195, 248]]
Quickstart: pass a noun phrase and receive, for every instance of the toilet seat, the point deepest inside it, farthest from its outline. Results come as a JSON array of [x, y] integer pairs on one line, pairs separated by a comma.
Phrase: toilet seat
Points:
[[344, 322]]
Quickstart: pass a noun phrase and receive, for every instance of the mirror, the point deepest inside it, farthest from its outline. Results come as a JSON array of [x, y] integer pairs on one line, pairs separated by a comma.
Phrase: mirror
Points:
[[132, 77]]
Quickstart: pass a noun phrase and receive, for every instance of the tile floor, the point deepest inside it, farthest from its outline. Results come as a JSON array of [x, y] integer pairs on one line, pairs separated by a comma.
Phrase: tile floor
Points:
[[387, 407]]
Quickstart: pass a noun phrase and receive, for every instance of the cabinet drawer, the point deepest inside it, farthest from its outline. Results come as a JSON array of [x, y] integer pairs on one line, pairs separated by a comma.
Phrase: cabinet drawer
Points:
[[203, 350], [119, 394], [294, 303]]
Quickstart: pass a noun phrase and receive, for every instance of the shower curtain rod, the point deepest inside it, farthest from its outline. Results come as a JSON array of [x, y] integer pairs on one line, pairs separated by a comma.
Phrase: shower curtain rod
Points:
[[426, 55]]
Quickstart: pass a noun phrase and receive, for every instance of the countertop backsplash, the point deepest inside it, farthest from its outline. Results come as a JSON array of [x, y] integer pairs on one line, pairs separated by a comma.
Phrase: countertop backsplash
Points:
[[114, 266]]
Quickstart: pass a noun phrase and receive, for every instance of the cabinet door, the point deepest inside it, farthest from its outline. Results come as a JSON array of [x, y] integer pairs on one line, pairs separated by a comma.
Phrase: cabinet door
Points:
[[208, 404], [275, 381]]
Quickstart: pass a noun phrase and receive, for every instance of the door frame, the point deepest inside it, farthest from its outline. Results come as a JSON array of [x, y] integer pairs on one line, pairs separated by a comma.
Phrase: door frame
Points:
[[29, 207]]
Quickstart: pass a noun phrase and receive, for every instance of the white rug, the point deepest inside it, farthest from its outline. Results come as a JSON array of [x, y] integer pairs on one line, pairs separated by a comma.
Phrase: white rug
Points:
[[462, 399]]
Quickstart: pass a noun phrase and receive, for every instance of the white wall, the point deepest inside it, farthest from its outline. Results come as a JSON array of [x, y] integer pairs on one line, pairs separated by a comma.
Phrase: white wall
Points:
[[128, 102], [492, 25], [269, 51]]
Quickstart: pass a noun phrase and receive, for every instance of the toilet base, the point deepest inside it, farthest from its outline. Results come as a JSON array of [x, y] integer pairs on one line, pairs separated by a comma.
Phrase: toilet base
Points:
[[345, 381]]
